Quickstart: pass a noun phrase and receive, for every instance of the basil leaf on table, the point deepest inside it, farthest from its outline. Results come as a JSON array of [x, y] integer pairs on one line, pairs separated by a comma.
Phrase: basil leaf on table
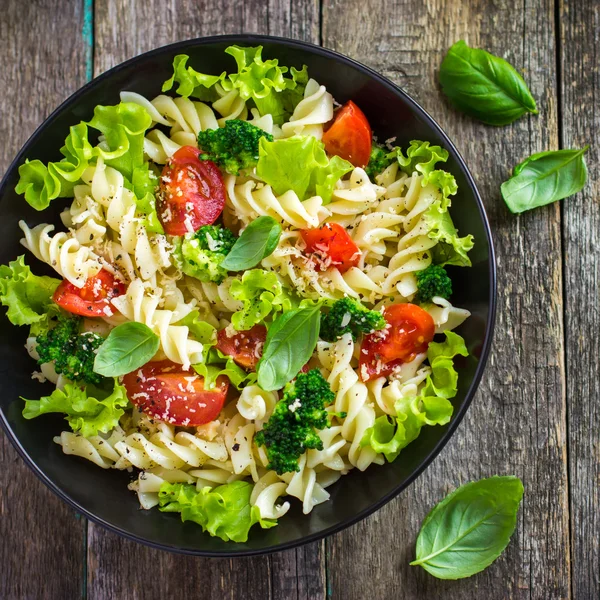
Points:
[[544, 178], [257, 241], [470, 528], [484, 86], [291, 340], [127, 347]]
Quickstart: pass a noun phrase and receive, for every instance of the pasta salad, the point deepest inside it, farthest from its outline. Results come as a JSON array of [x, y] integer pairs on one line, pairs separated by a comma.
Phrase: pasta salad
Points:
[[253, 296]]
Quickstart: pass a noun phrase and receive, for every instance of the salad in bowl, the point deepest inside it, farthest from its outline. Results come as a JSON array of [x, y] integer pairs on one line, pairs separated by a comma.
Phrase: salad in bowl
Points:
[[251, 295]]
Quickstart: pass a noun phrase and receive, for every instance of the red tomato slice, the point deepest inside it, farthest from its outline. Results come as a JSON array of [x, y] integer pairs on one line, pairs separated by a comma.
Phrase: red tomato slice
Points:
[[164, 391], [191, 193], [331, 246], [245, 347], [93, 299], [409, 331], [350, 135]]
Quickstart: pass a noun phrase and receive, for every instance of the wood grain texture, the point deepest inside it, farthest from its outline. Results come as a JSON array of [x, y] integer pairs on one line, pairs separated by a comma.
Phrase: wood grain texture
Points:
[[520, 421], [516, 424], [580, 92], [122, 30], [41, 538]]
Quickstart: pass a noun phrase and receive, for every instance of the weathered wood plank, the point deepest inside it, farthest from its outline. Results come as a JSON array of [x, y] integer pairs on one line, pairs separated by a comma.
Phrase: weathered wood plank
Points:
[[516, 424], [580, 90], [41, 539], [123, 29]]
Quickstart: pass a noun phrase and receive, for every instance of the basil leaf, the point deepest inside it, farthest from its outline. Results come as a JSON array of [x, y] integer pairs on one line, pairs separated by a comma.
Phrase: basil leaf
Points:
[[545, 177], [127, 347], [257, 241], [291, 340], [484, 86], [470, 528]]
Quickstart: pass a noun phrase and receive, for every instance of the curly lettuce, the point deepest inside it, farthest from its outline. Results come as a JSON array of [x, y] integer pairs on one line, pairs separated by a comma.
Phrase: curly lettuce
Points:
[[216, 363], [224, 511], [389, 435], [122, 126], [198, 327], [27, 297], [451, 249], [262, 82], [261, 294], [144, 182], [43, 183], [191, 83], [85, 413], [299, 163]]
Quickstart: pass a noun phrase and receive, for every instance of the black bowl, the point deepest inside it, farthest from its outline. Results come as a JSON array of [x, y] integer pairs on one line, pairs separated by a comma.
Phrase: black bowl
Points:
[[102, 495]]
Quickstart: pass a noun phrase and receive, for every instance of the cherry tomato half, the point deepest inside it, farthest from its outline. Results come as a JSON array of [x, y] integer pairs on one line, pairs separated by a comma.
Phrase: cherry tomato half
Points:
[[350, 135], [332, 247], [245, 347], [93, 299], [409, 331], [191, 192], [164, 391]]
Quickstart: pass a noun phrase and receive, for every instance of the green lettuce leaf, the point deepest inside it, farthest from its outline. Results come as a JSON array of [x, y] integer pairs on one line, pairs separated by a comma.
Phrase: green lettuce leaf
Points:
[[423, 158], [27, 296], [202, 331], [190, 82], [262, 82], [389, 435], [299, 163], [420, 156], [122, 126], [450, 249], [224, 511], [43, 183], [216, 363], [85, 414], [144, 182], [444, 378], [262, 293]]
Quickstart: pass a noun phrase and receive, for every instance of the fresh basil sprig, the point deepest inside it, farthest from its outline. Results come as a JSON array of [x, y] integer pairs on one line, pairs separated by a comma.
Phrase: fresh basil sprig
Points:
[[257, 241], [127, 347], [484, 86], [468, 530], [291, 340], [545, 177]]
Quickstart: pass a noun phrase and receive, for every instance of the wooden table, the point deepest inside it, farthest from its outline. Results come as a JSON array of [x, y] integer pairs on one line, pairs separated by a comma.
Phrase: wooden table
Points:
[[537, 413]]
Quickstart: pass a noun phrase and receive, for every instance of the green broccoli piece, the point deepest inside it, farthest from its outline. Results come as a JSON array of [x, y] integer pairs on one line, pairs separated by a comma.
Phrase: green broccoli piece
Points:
[[291, 430], [381, 158], [433, 281], [349, 316], [204, 251], [73, 352], [232, 147]]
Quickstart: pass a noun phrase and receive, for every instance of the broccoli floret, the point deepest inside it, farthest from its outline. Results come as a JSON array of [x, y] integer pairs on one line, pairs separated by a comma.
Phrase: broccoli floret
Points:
[[232, 147], [204, 251], [349, 316], [291, 430], [433, 281], [380, 159], [73, 353]]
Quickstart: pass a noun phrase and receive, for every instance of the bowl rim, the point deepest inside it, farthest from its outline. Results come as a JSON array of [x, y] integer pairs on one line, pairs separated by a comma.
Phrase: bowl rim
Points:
[[258, 39]]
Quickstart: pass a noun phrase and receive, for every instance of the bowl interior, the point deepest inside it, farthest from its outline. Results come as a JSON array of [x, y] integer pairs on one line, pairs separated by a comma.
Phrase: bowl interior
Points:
[[102, 494]]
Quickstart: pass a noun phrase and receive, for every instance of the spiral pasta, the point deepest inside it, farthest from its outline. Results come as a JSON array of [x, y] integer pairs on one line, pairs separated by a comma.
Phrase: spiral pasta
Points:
[[250, 200], [352, 398], [71, 260], [312, 112]]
